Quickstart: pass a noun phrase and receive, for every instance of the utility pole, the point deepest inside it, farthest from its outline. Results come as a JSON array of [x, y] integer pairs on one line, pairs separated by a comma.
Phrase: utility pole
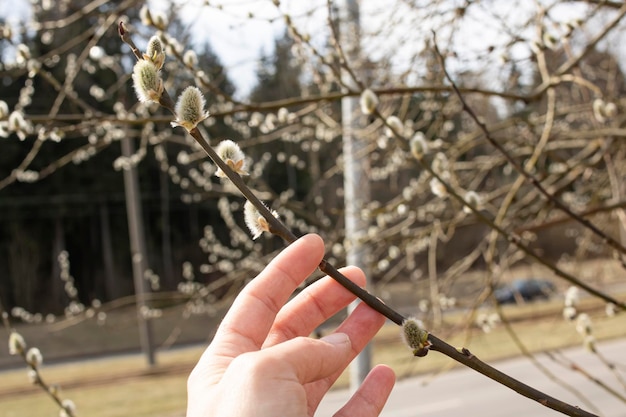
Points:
[[356, 170], [138, 251]]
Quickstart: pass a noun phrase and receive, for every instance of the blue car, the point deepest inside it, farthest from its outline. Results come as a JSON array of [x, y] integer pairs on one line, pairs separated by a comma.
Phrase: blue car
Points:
[[524, 290]]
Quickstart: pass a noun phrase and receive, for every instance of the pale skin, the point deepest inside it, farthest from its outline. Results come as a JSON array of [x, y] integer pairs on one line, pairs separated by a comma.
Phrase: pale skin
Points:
[[262, 361]]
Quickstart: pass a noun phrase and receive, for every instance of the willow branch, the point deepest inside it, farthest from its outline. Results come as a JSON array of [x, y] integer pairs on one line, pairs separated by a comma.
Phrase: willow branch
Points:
[[510, 237], [468, 359], [528, 176], [572, 62], [278, 228]]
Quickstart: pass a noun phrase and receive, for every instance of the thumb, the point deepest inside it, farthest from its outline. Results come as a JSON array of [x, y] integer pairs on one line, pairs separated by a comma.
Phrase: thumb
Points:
[[309, 360]]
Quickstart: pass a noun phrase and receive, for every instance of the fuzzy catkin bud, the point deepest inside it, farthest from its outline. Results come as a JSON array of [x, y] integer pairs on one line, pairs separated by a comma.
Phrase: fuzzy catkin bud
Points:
[[17, 344], [571, 296], [415, 336], [283, 115], [419, 145], [155, 52], [4, 109], [437, 188], [232, 154], [569, 313], [190, 109], [34, 357], [147, 81], [474, 200], [255, 221], [584, 325], [145, 16], [68, 407], [369, 101], [190, 58], [610, 309], [160, 20], [589, 343], [33, 377], [395, 126], [598, 110]]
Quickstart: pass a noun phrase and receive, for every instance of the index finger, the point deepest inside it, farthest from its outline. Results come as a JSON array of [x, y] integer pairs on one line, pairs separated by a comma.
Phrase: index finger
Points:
[[251, 316]]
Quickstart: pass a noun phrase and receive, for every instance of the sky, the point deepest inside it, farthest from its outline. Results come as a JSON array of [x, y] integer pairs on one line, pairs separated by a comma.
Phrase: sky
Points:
[[239, 39]]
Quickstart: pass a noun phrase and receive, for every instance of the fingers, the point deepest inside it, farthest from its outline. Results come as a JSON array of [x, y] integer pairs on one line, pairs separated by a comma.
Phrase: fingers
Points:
[[249, 319], [312, 307], [372, 395], [304, 360], [360, 326]]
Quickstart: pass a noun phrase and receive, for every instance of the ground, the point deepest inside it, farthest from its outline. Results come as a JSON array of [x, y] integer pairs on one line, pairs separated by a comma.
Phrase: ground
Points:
[[99, 368]]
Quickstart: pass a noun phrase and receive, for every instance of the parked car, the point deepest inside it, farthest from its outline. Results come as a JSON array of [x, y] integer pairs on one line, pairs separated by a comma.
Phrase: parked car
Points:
[[528, 289]]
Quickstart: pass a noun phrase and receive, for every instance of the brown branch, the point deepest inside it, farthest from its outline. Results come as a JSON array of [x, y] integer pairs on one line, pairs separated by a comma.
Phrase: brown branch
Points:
[[468, 359], [278, 228], [566, 219], [576, 368], [528, 176], [510, 237], [572, 62]]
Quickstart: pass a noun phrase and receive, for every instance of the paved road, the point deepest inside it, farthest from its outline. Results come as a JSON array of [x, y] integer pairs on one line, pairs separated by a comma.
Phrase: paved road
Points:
[[464, 392]]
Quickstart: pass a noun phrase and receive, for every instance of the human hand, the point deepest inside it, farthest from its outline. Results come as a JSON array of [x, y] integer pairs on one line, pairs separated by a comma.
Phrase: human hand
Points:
[[261, 361]]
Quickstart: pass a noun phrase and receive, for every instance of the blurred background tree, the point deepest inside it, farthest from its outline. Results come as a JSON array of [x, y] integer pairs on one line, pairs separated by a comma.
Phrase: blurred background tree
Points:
[[547, 79]]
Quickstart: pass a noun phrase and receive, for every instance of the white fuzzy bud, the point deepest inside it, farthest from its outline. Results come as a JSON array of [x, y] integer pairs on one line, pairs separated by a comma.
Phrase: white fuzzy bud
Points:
[[598, 110], [17, 344], [190, 109], [234, 157], [474, 200], [395, 126], [437, 188], [419, 145], [283, 115], [441, 165], [96, 53], [23, 54], [255, 221], [69, 408], [190, 58], [33, 377], [16, 121], [6, 32], [571, 296], [155, 52], [34, 357], [610, 110], [415, 336], [610, 309], [145, 16], [4, 109], [147, 81], [589, 343], [583, 324], [369, 101], [159, 20], [569, 313]]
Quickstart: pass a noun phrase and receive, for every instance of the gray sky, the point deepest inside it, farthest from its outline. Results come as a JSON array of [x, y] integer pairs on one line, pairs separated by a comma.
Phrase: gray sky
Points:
[[239, 39]]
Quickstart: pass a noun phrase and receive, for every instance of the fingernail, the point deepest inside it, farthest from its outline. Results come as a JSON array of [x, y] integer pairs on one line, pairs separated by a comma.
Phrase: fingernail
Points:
[[336, 338]]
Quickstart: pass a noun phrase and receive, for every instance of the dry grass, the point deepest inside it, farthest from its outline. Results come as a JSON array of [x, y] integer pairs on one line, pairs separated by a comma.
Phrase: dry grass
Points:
[[119, 386], [116, 386]]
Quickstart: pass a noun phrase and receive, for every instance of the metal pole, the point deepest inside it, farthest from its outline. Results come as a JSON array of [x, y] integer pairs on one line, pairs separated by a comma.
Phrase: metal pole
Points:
[[356, 168], [138, 251]]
